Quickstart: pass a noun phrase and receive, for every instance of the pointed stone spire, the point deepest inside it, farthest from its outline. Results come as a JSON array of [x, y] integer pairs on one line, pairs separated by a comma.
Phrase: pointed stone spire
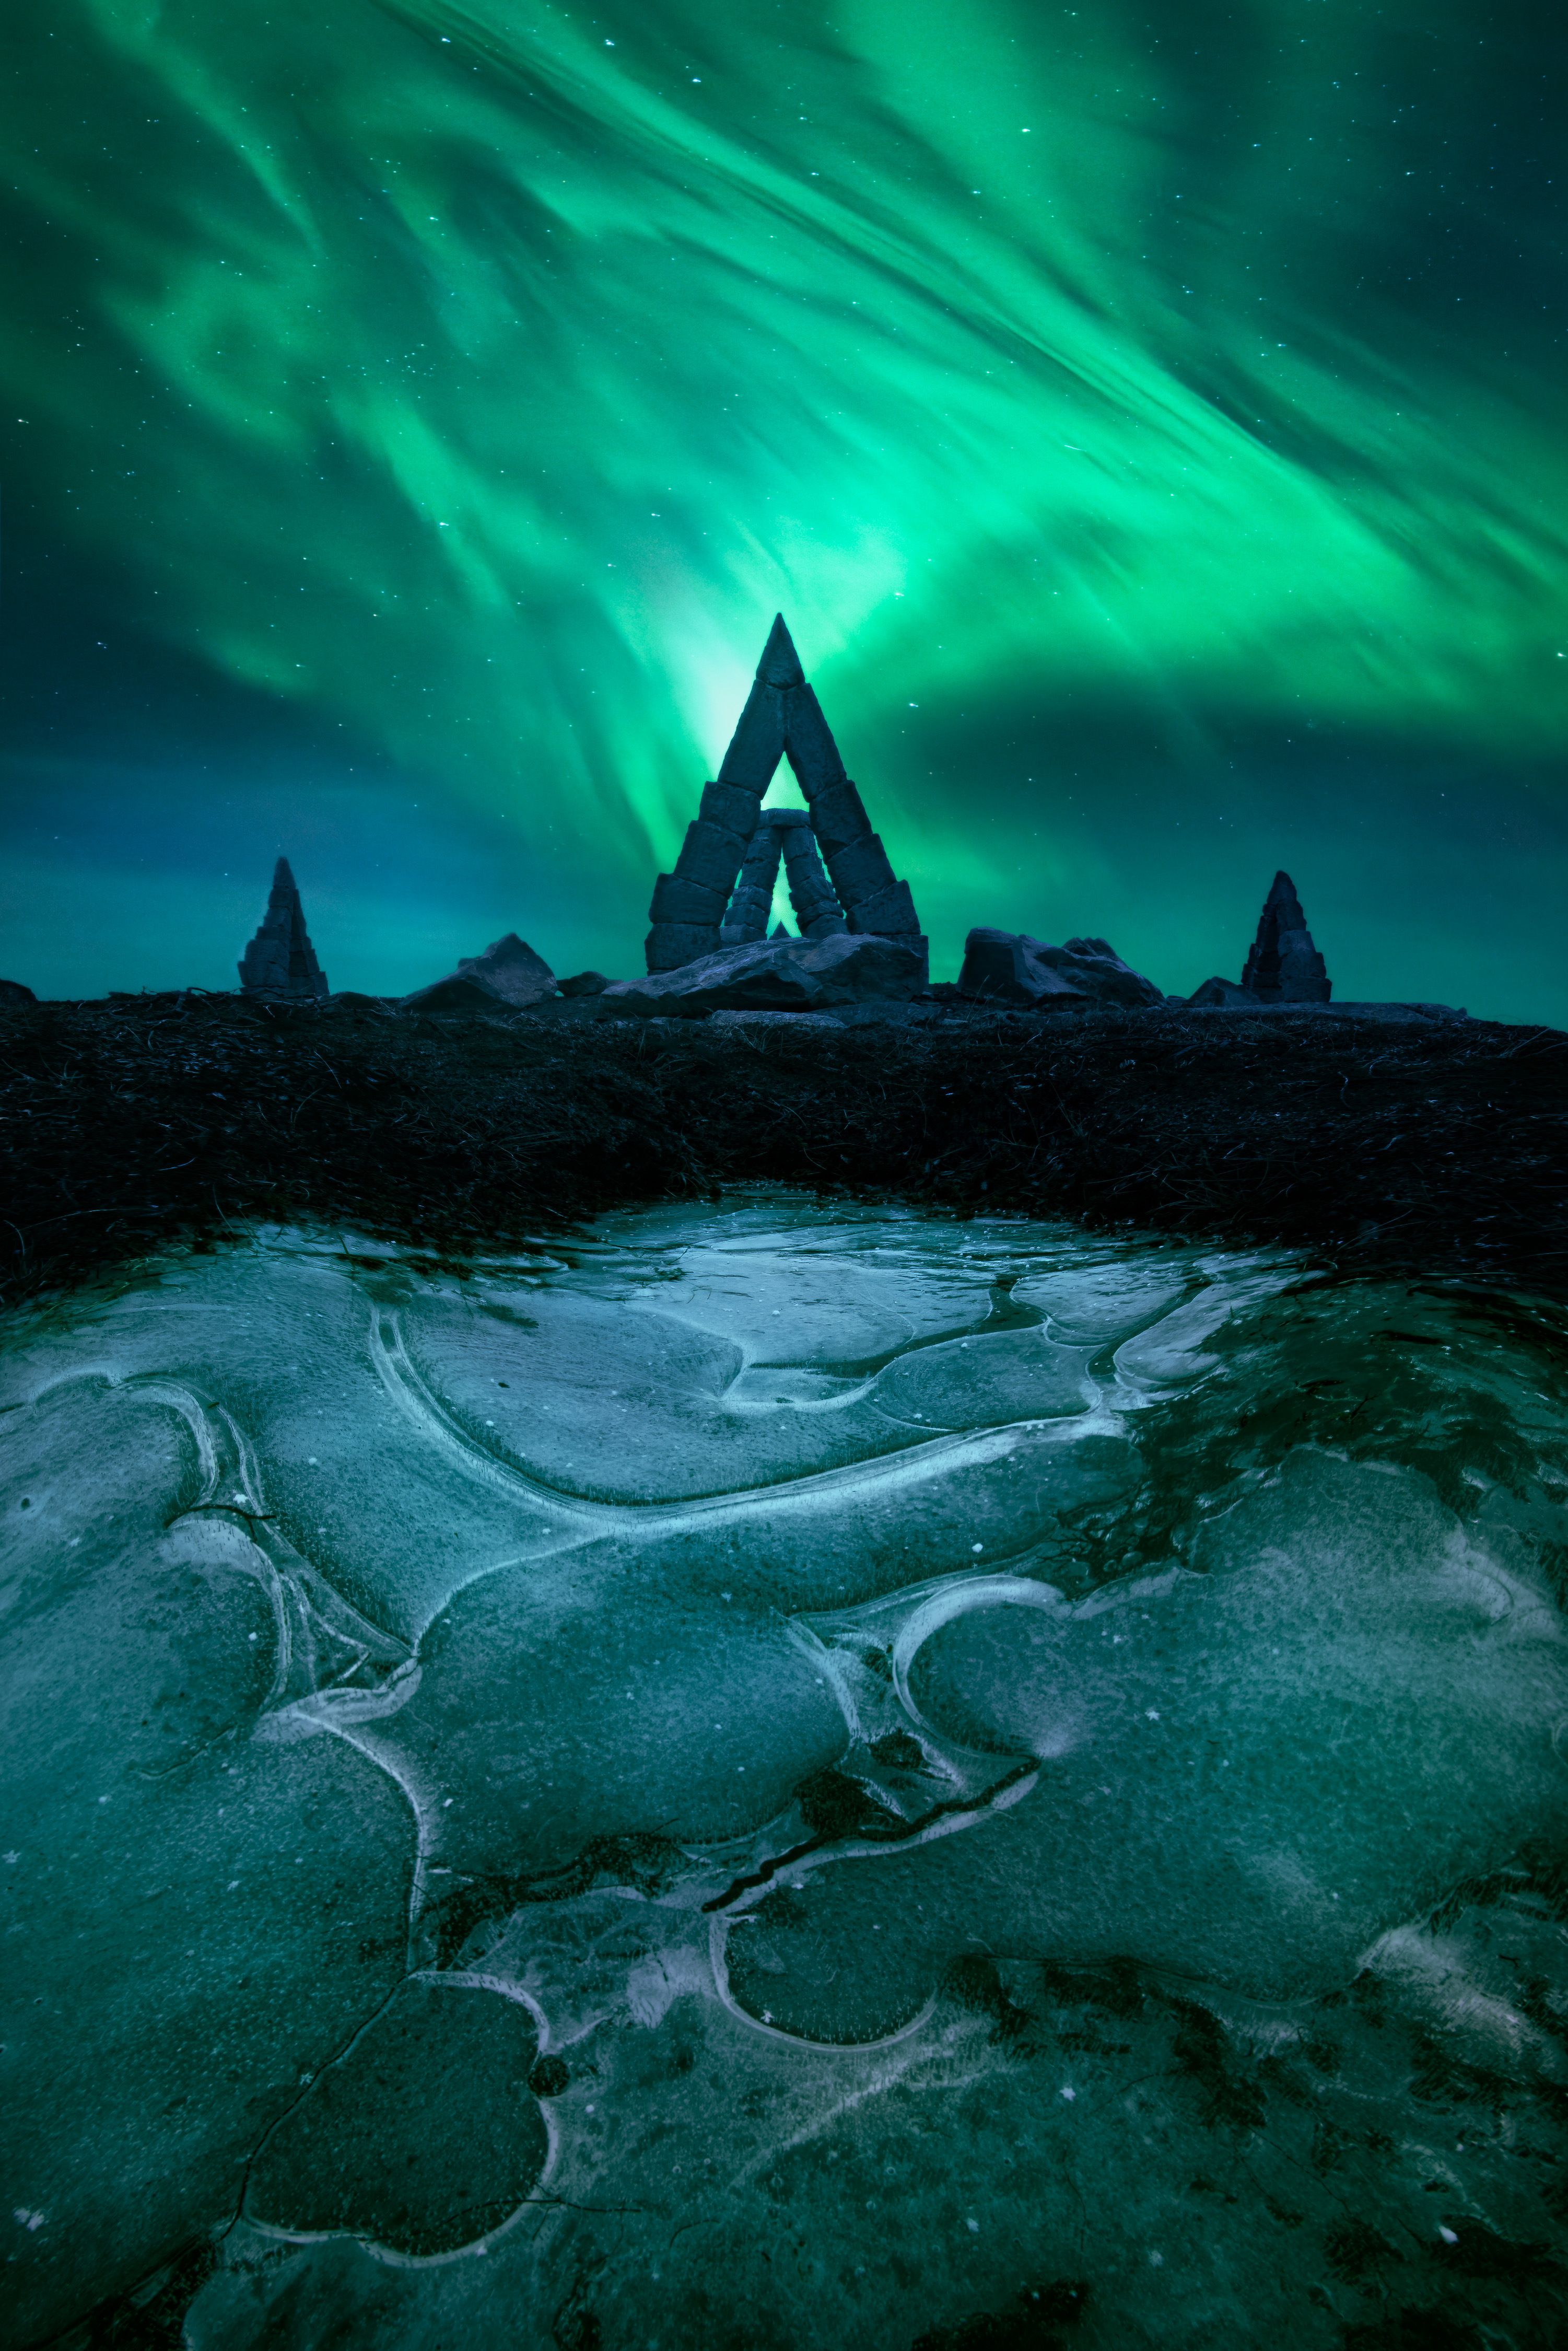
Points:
[[757, 744], [780, 664], [781, 718], [280, 959], [1284, 966]]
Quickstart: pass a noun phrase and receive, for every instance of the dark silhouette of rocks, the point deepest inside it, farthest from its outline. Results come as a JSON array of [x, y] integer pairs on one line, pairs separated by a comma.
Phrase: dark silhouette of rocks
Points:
[[746, 916], [780, 975], [1013, 968], [583, 983], [1002, 964], [509, 976], [726, 844], [811, 895], [14, 991], [781, 834], [1224, 993], [280, 960], [1284, 966]]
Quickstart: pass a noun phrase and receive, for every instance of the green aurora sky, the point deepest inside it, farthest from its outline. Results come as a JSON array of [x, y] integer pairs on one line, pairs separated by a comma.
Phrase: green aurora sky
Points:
[[1151, 420]]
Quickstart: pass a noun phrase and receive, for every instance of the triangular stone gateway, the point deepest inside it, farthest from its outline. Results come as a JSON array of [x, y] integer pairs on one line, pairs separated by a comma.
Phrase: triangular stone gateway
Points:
[[700, 908], [280, 959], [781, 834], [1284, 966]]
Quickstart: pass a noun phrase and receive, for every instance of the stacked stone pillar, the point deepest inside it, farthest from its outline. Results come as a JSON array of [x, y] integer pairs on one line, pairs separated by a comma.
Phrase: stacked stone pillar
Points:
[[1283, 965], [746, 918], [782, 718], [786, 831], [280, 960], [811, 895]]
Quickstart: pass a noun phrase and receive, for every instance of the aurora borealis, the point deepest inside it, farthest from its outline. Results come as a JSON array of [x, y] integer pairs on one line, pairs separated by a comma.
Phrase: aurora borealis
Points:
[[1150, 420]]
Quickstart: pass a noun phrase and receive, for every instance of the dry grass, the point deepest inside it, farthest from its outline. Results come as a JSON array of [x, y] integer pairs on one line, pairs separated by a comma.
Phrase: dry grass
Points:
[[1436, 1149]]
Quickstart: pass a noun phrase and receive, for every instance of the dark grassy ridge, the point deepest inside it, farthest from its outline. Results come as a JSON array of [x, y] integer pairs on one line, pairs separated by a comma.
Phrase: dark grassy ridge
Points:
[[1436, 1148]]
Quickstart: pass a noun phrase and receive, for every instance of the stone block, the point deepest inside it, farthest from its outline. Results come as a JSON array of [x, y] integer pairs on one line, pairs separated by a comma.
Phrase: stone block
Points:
[[505, 977], [511, 968], [780, 664], [757, 744], [670, 946], [1225, 993], [734, 806], [839, 817], [811, 895], [861, 869], [1094, 968], [886, 913], [1304, 974], [809, 744], [999, 964], [677, 900], [778, 975], [710, 854]]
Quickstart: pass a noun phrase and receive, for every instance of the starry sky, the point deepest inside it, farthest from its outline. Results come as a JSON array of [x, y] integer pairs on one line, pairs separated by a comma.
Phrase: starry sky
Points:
[[1149, 417]]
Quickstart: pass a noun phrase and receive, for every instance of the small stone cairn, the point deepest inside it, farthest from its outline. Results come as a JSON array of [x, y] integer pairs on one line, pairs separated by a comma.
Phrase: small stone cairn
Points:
[[280, 960], [1283, 965]]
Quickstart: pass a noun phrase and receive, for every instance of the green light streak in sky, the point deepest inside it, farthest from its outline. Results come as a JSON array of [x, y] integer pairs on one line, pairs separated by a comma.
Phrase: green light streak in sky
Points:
[[484, 377]]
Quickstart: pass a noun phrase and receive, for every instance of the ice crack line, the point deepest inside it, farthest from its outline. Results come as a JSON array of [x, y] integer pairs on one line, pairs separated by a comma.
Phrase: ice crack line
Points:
[[439, 1426]]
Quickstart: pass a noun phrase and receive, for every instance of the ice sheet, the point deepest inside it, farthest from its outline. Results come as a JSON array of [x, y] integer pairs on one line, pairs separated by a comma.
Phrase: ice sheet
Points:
[[780, 1776]]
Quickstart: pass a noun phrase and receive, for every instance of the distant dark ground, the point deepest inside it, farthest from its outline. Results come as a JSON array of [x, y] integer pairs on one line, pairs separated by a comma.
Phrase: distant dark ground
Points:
[[1435, 1148]]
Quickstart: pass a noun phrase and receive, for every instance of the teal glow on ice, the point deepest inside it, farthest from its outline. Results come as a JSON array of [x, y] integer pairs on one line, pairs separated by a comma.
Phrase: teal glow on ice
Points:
[[892, 1764]]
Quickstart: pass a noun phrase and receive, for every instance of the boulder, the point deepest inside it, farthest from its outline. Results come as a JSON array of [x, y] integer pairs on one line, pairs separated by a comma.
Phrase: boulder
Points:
[[1003, 965], [456, 994], [779, 974], [508, 976], [583, 983], [1225, 993], [1016, 969], [1094, 967], [16, 991]]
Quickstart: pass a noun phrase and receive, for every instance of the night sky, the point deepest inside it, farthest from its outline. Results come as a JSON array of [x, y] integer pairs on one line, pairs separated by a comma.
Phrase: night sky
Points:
[[1151, 420]]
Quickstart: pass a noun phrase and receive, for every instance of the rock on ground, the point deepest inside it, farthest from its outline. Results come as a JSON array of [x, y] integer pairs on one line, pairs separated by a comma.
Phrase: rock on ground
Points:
[[781, 976], [1224, 992], [1017, 969], [508, 973]]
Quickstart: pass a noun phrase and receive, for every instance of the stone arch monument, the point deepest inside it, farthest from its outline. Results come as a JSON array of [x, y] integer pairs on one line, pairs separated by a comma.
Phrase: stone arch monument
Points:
[[838, 871]]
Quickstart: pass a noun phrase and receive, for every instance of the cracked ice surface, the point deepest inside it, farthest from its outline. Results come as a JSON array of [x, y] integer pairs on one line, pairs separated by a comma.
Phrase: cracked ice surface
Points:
[[780, 1776]]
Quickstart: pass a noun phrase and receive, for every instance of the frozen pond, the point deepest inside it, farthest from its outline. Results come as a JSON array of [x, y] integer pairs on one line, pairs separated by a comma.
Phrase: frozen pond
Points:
[[784, 1776]]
